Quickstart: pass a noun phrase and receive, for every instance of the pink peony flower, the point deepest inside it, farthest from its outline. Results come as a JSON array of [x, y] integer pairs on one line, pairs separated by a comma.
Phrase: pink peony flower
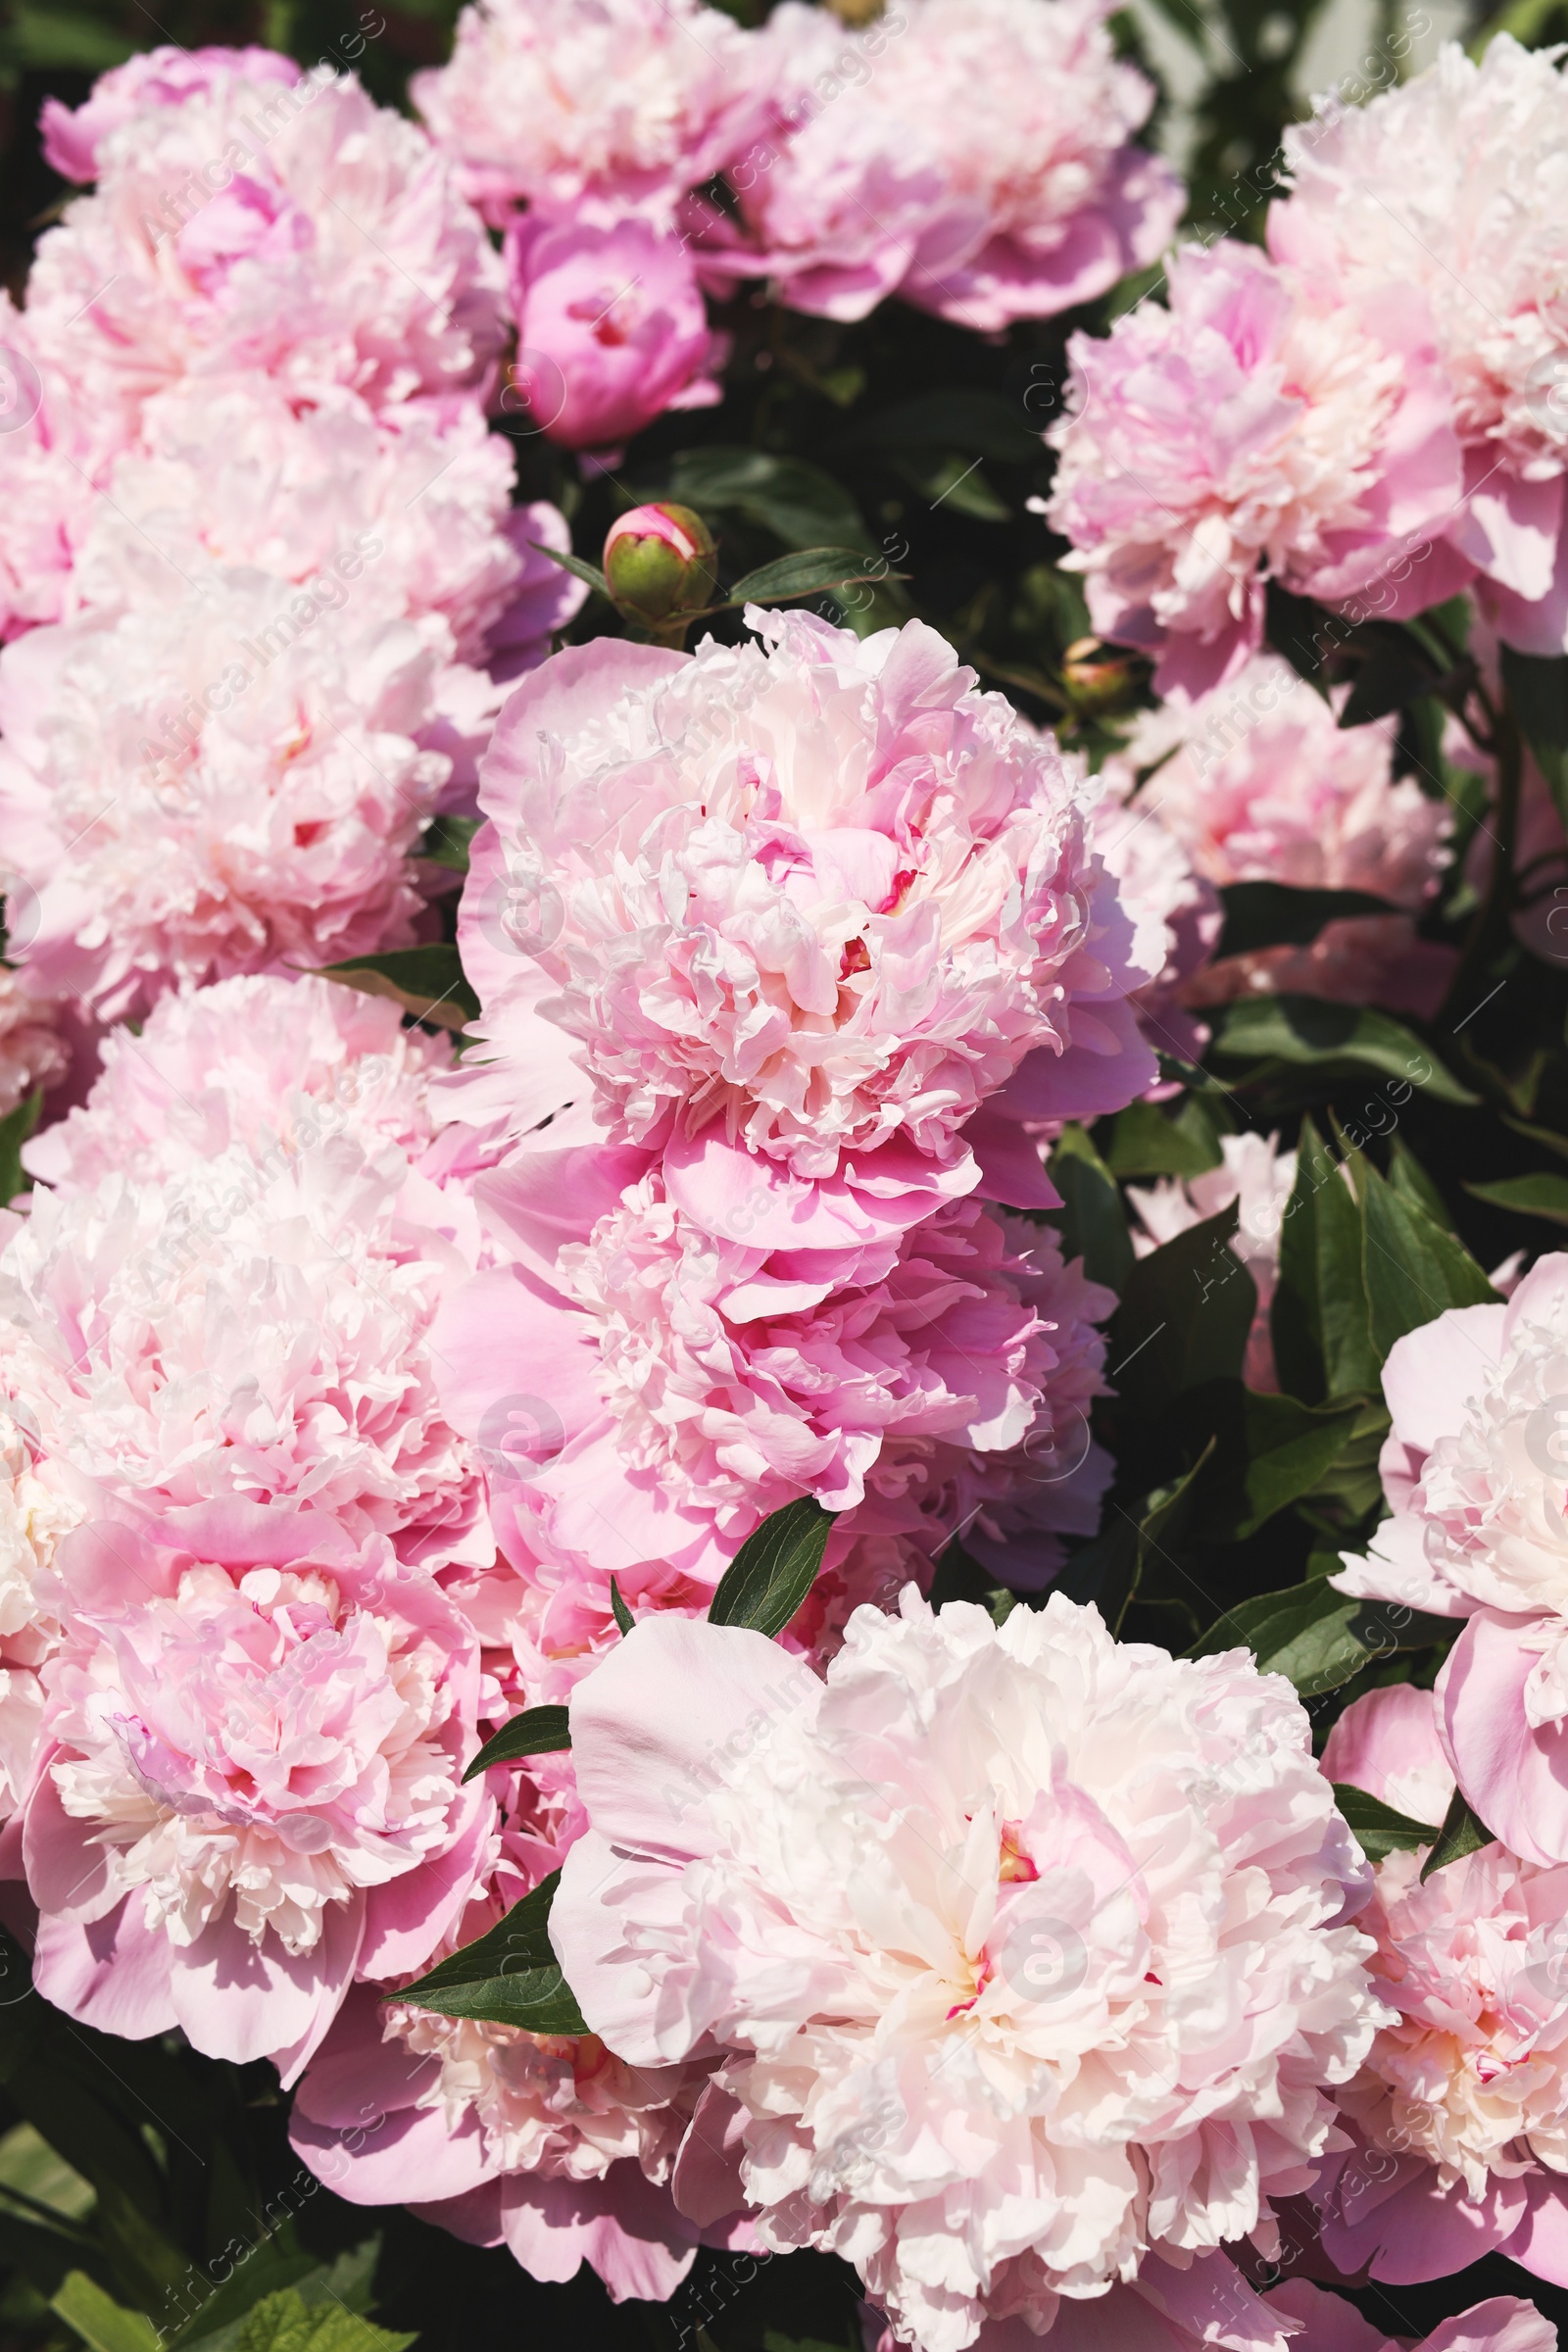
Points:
[[1473, 1474], [545, 2143], [1256, 1174], [247, 1788], [803, 907], [165, 77], [1461, 2107], [250, 1329], [302, 233], [223, 782], [1176, 916], [591, 109], [611, 330], [247, 1063], [1252, 432], [1166, 2308], [1258, 783], [56, 449], [33, 1517], [415, 505], [1018, 1946], [1330, 2323], [1019, 202], [1454, 184], [685, 1385]]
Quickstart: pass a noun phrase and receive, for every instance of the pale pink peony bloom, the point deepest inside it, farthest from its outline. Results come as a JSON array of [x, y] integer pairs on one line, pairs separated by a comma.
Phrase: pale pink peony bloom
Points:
[[56, 445], [1016, 203], [225, 782], [32, 1052], [1455, 184], [1166, 2308], [33, 1517], [1328, 2323], [611, 330], [545, 2143], [1258, 783], [242, 1063], [248, 1781], [251, 1328], [1461, 2106], [159, 77], [1249, 432], [1258, 1176], [803, 906], [643, 1393], [591, 109], [1019, 1945], [411, 512], [1176, 916], [1473, 1470], [302, 233]]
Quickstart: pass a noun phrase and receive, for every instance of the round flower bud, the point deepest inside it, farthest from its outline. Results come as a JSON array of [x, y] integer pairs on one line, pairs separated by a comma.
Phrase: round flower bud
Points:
[[1095, 677], [659, 561]]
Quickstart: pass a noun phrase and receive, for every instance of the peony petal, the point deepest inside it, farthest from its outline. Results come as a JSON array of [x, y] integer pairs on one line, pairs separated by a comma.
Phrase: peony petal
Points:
[[622, 2226], [112, 1972], [1514, 1777]]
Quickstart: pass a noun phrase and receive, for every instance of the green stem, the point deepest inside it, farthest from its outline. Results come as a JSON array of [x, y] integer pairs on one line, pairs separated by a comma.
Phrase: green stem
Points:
[[1490, 928]]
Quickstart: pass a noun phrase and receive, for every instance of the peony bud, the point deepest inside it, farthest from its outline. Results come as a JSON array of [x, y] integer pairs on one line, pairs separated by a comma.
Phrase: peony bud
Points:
[[1097, 677], [659, 562]]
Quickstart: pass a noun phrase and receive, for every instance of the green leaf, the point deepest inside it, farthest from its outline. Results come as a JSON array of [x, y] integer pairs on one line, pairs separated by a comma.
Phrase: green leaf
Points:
[[54, 40], [574, 564], [1539, 1135], [1462, 1832], [1092, 1217], [31, 2167], [1412, 1269], [1292, 1447], [1320, 1320], [510, 1976], [14, 1129], [1110, 1571], [428, 982], [802, 574], [774, 1568], [1317, 1638], [1537, 687], [618, 1609], [536, 1732], [1269, 914], [1303, 632], [446, 841], [103, 2324], [1185, 1313], [287, 2323], [221, 2320], [1379, 1830], [1310, 1029], [1528, 1195], [1409, 1177], [954, 482], [796, 500], [1145, 1143], [1394, 673]]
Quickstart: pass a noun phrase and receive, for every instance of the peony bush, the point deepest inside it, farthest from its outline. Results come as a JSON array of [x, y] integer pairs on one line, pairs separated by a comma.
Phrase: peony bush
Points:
[[782, 1101]]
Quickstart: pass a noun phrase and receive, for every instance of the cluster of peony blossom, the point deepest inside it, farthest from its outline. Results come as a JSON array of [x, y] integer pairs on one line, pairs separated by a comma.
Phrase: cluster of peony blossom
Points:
[[638, 152], [1374, 412], [353, 1390]]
